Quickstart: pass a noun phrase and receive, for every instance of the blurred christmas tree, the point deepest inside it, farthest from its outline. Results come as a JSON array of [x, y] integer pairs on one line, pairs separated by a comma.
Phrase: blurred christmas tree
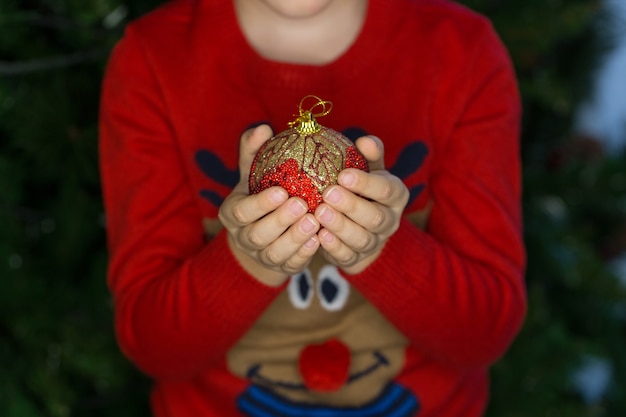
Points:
[[57, 352], [575, 213]]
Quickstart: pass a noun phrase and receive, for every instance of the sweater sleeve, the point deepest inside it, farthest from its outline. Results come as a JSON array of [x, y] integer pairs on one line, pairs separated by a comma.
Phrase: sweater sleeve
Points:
[[457, 290], [180, 302]]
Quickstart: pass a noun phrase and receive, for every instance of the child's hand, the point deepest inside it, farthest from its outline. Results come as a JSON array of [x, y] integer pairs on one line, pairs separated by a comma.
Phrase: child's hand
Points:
[[362, 212], [270, 234]]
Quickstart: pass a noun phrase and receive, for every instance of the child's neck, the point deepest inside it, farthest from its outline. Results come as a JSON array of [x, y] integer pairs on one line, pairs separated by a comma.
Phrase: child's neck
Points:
[[315, 39]]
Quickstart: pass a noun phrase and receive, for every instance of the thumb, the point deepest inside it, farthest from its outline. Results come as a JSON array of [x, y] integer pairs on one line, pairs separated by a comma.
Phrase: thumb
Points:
[[373, 150], [251, 142]]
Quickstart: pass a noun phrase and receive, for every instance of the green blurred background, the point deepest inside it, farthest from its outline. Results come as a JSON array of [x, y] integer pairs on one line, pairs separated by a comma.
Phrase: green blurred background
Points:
[[58, 357]]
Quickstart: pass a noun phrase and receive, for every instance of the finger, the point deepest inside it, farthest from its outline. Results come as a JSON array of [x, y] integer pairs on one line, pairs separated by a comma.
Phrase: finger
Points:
[[381, 186], [290, 243], [366, 214], [335, 250], [358, 237], [244, 209], [268, 229], [251, 141], [301, 259], [373, 150]]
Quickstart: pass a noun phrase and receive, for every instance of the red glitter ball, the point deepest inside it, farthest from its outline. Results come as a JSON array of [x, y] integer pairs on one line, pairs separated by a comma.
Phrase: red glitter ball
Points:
[[304, 164]]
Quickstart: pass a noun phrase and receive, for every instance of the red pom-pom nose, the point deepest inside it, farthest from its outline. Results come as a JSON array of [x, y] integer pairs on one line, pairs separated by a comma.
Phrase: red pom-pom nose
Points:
[[325, 367]]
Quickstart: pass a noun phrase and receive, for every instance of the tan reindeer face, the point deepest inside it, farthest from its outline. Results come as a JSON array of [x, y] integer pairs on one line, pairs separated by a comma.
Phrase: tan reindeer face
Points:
[[320, 342]]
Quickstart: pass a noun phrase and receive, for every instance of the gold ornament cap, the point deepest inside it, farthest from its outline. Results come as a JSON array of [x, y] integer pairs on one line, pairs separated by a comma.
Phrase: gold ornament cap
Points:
[[305, 123]]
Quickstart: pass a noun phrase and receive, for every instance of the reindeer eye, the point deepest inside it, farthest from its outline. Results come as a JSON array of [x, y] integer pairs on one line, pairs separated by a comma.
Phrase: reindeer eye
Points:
[[332, 289], [301, 289]]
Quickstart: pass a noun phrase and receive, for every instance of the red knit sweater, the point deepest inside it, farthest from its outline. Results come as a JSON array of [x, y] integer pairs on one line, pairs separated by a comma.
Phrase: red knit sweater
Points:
[[433, 81]]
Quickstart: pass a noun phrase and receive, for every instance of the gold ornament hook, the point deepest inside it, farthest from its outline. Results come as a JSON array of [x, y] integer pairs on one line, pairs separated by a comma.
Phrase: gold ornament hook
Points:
[[306, 124]]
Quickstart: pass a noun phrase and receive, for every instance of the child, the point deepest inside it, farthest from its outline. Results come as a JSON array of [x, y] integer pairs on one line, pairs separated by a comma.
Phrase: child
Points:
[[403, 287]]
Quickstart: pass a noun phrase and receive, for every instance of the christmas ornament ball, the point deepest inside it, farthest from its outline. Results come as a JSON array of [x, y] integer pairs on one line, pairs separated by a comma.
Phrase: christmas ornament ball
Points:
[[304, 159]]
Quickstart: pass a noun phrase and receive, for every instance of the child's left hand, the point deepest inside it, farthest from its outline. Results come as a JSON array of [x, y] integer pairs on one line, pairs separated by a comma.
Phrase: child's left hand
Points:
[[362, 212]]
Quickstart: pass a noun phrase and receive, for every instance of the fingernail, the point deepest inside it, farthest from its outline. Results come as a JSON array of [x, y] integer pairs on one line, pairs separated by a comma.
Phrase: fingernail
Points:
[[307, 226], [297, 207], [327, 236], [310, 243], [277, 196], [326, 215], [347, 178], [333, 196]]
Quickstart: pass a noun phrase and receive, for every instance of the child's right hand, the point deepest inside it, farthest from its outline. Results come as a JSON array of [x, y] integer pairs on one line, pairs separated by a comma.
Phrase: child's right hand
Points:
[[271, 235]]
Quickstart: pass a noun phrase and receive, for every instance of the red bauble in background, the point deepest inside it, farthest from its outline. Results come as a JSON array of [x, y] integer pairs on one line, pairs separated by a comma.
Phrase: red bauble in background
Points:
[[304, 159]]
